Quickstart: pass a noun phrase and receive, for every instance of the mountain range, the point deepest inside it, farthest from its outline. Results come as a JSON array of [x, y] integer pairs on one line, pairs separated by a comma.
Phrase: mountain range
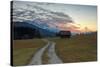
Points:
[[38, 16]]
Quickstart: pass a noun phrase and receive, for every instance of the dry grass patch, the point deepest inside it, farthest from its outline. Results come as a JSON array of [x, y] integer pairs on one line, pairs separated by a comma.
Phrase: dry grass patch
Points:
[[23, 50], [79, 48]]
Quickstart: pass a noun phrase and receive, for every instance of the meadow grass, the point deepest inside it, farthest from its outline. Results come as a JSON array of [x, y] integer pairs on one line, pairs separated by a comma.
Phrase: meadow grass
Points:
[[78, 48], [23, 50], [45, 57]]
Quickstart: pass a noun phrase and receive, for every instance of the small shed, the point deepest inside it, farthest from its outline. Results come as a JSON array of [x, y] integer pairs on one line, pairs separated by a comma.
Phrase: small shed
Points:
[[64, 34]]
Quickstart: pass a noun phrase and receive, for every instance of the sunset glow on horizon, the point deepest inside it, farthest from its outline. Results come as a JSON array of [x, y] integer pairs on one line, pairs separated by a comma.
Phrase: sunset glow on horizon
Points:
[[84, 16], [75, 18], [74, 27]]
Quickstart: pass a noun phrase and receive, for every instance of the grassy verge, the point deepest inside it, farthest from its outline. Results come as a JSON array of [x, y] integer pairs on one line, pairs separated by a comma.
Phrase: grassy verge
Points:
[[23, 50], [45, 58], [79, 48]]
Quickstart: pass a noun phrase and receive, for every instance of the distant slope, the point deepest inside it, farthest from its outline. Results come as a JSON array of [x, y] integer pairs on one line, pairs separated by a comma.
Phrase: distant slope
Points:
[[43, 32]]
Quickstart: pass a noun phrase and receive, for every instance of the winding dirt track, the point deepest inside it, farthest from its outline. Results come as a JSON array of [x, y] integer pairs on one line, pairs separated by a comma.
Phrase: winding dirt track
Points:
[[53, 58], [37, 58]]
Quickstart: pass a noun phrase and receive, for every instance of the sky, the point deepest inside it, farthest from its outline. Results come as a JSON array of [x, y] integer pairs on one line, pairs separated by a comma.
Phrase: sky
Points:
[[84, 16]]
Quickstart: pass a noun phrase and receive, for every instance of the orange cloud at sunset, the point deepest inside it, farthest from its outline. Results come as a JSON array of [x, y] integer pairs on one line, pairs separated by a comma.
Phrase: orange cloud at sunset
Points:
[[73, 27], [69, 26]]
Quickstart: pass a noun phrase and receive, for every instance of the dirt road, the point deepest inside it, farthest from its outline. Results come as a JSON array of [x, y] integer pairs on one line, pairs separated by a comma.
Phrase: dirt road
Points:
[[53, 58], [37, 58]]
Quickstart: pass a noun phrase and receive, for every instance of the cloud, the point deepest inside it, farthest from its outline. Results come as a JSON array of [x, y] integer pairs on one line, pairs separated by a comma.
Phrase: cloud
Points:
[[73, 27], [43, 16]]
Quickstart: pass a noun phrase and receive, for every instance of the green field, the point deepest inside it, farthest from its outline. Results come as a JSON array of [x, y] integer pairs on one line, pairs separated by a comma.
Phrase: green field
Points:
[[23, 50], [79, 48]]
